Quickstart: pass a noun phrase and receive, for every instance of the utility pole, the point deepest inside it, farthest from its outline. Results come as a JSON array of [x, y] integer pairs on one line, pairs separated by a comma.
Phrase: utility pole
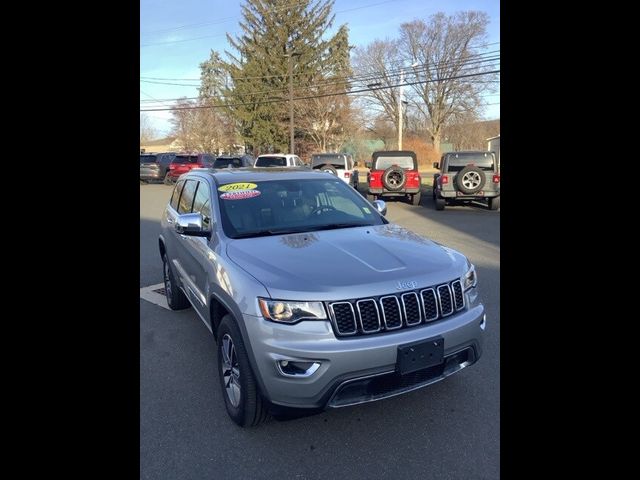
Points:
[[415, 64], [290, 68], [400, 110]]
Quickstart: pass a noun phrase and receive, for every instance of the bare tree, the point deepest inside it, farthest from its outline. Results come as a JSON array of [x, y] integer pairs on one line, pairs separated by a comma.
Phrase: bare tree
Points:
[[378, 63], [447, 47], [184, 121], [328, 121], [147, 132]]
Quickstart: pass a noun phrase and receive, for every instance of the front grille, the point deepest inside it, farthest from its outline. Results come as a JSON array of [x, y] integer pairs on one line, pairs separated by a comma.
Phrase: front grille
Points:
[[392, 312]]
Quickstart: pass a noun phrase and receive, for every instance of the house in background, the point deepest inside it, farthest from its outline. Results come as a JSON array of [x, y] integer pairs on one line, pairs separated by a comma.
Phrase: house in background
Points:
[[168, 144], [493, 145]]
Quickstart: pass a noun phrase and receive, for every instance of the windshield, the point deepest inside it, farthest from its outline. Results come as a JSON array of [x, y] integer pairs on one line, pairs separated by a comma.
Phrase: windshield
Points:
[[335, 160], [271, 162], [277, 207], [225, 162], [382, 163], [185, 159], [483, 160], [148, 159]]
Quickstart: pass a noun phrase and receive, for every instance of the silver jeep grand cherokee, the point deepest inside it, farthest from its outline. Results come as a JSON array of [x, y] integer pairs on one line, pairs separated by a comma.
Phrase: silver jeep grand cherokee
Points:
[[314, 298]]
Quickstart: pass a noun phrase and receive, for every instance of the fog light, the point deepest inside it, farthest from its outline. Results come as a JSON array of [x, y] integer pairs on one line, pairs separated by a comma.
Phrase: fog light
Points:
[[290, 368]]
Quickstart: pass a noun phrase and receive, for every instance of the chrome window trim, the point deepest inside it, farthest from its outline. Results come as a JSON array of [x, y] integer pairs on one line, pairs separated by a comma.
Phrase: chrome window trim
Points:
[[335, 322], [377, 313], [384, 317], [404, 309], [435, 300]]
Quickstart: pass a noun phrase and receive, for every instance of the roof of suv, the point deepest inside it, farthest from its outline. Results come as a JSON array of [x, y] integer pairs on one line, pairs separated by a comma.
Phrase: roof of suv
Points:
[[259, 174]]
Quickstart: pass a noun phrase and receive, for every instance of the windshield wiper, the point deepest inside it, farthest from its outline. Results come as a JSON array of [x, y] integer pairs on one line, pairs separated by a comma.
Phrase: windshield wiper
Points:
[[286, 231], [267, 233], [334, 226]]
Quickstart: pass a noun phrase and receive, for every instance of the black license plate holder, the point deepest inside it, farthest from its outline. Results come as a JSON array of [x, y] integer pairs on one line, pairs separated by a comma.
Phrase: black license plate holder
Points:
[[418, 355]]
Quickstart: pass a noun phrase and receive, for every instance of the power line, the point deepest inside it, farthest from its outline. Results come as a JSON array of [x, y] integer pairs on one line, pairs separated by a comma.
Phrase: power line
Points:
[[279, 100], [361, 77], [369, 76], [283, 75]]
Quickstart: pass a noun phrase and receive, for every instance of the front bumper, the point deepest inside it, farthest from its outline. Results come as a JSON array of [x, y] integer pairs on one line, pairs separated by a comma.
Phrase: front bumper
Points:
[[349, 362], [385, 193]]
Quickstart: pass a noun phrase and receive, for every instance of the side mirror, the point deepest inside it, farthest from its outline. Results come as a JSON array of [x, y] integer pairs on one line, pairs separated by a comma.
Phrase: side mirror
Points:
[[191, 224], [381, 206], [436, 165], [367, 164]]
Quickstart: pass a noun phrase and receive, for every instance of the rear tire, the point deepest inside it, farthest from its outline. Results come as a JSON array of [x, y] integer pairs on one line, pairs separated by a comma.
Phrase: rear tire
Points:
[[250, 408], [329, 169], [167, 180], [440, 203], [415, 198], [176, 299], [494, 203], [371, 197]]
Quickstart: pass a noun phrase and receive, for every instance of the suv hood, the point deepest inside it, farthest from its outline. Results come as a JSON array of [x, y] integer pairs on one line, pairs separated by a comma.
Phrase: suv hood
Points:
[[346, 263]]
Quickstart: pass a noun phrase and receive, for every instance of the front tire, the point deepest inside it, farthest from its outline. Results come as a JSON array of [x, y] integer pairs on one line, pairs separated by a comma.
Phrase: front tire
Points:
[[176, 299], [245, 405], [494, 203]]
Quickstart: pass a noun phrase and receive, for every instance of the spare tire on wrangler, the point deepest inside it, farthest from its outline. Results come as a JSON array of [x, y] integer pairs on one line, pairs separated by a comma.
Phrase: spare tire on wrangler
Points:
[[329, 169], [394, 178], [470, 180]]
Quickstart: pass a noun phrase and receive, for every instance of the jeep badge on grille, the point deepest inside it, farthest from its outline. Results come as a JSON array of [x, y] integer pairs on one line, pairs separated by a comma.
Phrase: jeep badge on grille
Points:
[[407, 285]]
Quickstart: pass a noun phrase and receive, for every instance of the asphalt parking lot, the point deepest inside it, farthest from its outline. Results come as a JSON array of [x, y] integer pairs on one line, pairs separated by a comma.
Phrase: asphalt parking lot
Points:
[[449, 430]]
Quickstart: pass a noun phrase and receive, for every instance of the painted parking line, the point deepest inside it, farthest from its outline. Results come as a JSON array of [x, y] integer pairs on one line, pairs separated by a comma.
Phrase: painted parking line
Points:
[[155, 294]]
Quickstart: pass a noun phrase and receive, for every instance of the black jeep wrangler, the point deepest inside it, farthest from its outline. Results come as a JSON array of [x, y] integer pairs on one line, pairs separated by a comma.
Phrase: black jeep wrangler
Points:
[[467, 176]]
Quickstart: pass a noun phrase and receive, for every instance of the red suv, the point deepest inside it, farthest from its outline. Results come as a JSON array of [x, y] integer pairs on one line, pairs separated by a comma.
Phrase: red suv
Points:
[[394, 173], [184, 162]]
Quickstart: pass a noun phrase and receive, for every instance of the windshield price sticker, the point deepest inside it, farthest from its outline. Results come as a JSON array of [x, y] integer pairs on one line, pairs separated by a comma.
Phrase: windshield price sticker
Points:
[[234, 187]]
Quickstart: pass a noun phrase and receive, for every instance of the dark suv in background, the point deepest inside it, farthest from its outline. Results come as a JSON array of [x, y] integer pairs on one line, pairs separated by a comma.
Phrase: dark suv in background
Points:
[[467, 176], [234, 161], [155, 166], [184, 162]]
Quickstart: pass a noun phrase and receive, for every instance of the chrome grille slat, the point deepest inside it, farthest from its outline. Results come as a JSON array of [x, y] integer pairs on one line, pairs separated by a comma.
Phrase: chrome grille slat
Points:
[[369, 301], [458, 296], [341, 318], [429, 304], [410, 318], [387, 311], [446, 303]]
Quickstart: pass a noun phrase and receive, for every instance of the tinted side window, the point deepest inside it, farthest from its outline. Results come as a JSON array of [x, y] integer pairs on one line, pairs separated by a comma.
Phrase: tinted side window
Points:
[[186, 199], [202, 202], [176, 194]]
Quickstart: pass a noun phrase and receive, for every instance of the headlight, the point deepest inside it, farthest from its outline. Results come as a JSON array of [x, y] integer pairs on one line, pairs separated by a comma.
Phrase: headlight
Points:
[[291, 312], [470, 279]]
